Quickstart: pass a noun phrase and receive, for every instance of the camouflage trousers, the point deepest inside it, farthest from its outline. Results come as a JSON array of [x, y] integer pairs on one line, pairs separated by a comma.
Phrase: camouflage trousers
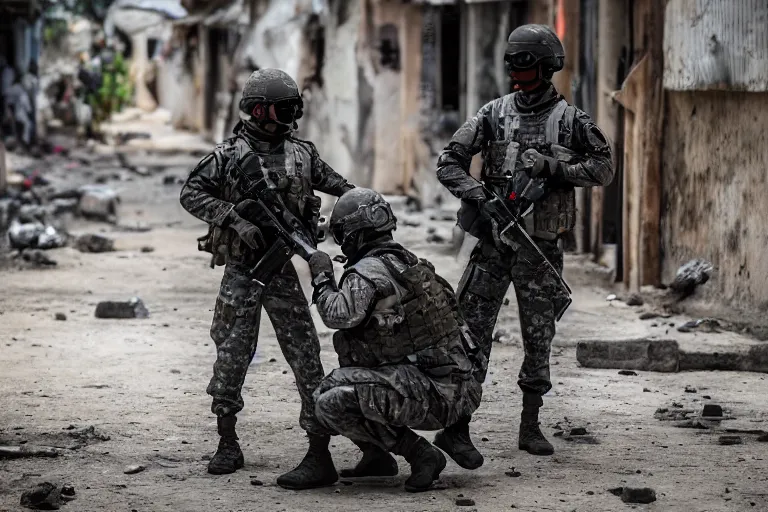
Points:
[[372, 405], [235, 331], [481, 294]]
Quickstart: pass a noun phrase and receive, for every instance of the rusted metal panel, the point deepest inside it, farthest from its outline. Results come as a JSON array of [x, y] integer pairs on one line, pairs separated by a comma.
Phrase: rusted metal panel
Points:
[[716, 44], [715, 186]]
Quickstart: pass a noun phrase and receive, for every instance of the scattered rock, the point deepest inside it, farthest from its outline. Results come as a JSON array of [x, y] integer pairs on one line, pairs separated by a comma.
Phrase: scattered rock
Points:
[[18, 452], [513, 473], [99, 202], [133, 308], [147, 248], [646, 390], [60, 316], [484, 439], [611, 297], [635, 300], [629, 373], [763, 438], [37, 257], [86, 435], [634, 495], [499, 336], [44, 496], [690, 389], [712, 411], [729, 440], [689, 276], [506, 301], [94, 243], [272, 360], [465, 502], [703, 325], [648, 315], [133, 469], [67, 490], [578, 431], [254, 481]]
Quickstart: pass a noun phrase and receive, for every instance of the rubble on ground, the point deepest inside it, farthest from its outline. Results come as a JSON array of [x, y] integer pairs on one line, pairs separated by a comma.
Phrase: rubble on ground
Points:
[[134, 308]]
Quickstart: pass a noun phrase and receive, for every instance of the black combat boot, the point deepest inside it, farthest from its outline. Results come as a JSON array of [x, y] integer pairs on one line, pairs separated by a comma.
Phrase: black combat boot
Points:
[[228, 457], [531, 439], [315, 470], [455, 441], [427, 462], [375, 462]]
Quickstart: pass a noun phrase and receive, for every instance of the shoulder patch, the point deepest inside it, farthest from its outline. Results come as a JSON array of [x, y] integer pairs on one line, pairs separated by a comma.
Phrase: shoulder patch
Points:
[[595, 138]]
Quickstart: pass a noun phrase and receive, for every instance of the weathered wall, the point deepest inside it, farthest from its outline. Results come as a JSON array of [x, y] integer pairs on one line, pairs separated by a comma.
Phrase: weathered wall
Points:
[[337, 114], [714, 182]]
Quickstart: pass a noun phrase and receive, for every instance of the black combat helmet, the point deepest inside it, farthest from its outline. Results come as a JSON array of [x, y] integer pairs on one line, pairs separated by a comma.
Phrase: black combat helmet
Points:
[[267, 87], [358, 214], [534, 46]]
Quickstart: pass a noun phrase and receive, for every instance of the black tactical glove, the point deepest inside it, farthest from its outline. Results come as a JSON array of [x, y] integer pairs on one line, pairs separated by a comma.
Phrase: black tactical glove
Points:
[[320, 264], [248, 232], [541, 166]]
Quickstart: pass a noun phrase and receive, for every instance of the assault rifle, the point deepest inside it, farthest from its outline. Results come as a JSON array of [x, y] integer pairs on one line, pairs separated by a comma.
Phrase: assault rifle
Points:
[[521, 192], [266, 209]]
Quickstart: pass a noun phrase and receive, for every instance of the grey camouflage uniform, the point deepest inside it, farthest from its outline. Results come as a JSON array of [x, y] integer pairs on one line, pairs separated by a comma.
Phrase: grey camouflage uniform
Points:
[[212, 190], [400, 366], [492, 266]]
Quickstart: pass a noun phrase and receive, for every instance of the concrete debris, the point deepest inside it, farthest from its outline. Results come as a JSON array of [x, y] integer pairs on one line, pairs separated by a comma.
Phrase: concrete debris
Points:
[[38, 258], [60, 317], [94, 243], [512, 473], [25, 451], [666, 356], [578, 431], [133, 308], [640, 354], [690, 276], [729, 440], [703, 325], [44, 496], [634, 495], [255, 481], [99, 202], [635, 300], [133, 469], [628, 373], [648, 315], [147, 248], [34, 235], [712, 410], [690, 389], [465, 502]]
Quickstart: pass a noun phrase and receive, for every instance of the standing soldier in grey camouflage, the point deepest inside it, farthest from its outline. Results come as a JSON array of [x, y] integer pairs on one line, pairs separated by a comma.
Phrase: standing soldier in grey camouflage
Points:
[[536, 132], [406, 359], [263, 149]]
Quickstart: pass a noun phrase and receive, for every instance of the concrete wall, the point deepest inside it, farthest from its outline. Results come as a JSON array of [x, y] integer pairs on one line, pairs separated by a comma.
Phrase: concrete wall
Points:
[[714, 182]]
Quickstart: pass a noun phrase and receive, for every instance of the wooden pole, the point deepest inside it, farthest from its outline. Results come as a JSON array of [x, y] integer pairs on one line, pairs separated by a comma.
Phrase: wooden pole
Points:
[[611, 37]]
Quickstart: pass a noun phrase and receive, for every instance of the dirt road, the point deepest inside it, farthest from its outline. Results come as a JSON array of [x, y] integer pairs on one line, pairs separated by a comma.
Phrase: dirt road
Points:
[[141, 385]]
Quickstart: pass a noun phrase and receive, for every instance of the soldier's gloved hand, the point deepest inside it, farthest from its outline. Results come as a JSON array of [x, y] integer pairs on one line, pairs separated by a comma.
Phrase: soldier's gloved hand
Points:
[[248, 232], [541, 166], [320, 264]]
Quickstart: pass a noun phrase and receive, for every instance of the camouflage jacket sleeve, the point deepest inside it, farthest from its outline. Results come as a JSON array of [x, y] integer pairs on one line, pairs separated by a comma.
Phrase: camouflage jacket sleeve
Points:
[[325, 179], [453, 163], [348, 306], [200, 195], [593, 165]]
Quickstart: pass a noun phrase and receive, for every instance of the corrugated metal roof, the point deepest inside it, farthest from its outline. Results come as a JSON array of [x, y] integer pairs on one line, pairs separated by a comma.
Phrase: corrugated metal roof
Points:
[[716, 44], [170, 8]]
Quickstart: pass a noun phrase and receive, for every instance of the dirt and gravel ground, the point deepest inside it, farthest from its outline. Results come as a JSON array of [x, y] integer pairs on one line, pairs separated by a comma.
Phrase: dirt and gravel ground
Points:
[[140, 385]]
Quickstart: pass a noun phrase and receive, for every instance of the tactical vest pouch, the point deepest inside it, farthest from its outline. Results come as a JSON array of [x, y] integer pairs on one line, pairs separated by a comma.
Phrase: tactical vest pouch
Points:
[[555, 214], [494, 157]]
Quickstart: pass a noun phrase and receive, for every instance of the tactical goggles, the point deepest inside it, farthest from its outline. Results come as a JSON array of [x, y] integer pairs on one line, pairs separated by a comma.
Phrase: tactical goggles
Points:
[[521, 61], [370, 216], [287, 112]]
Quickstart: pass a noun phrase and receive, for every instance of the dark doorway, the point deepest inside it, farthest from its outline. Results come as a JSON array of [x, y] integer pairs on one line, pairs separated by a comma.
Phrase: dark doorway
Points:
[[450, 57]]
